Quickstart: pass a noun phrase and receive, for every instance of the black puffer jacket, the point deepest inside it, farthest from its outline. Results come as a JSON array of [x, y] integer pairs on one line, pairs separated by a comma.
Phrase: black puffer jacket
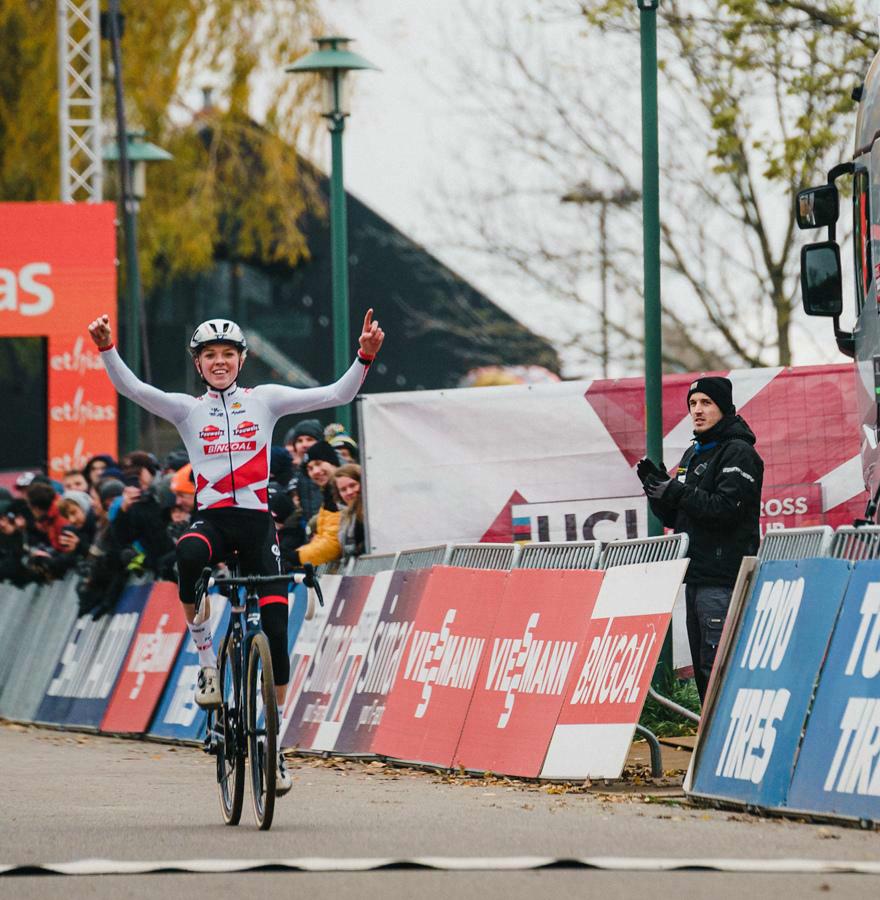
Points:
[[715, 499]]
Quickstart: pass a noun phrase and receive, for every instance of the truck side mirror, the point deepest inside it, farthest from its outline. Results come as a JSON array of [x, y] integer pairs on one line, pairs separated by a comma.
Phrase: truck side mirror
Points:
[[821, 281], [817, 207]]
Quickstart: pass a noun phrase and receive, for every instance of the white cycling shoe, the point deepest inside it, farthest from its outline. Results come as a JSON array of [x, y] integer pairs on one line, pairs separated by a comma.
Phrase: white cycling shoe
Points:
[[283, 782], [208, 688]]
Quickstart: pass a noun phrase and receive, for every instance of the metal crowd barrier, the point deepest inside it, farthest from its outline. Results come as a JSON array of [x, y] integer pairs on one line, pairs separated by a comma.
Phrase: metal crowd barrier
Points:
[[484, 556], [644, 550], [374, 562], [423, 557], [562, 555], [856, 543], [795, 543]]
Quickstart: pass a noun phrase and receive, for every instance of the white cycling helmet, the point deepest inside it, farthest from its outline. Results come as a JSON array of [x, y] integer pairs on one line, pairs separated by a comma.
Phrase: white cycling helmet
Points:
[[217, 331]]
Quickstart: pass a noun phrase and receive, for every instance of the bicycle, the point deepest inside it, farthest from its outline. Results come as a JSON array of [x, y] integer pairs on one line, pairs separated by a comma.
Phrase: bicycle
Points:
[[246, 724]]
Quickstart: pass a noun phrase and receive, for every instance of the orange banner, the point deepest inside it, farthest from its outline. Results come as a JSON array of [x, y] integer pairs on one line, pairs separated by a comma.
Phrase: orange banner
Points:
[[57, 273]]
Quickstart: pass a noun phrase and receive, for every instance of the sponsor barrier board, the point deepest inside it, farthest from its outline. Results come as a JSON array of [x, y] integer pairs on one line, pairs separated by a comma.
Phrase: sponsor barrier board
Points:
[[613, 669], [160, 633], [542, 620], [89, 666], [748, 748], [382, 663], [38, 647], [304, 648], [428, 704], [838, 769], [177, 715], [332, 672]]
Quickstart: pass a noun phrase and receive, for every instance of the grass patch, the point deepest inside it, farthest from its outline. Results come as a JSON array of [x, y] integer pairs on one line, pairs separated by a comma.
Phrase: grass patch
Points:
[[664, 722]]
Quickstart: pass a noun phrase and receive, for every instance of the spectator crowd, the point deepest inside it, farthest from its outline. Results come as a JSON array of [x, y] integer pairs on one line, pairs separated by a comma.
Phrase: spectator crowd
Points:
[[115, 518]]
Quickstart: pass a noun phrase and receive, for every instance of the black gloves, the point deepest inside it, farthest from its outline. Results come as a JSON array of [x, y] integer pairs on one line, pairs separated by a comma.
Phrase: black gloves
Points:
[[646, 469]]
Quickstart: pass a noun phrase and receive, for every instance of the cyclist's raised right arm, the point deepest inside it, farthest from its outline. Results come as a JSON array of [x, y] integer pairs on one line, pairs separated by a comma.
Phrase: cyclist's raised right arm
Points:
[[173, 407]]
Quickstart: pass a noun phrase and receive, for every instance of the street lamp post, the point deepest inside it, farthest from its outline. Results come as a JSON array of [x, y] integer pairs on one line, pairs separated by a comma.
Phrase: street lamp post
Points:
[[133, 157], [332, 61], [584, 193]]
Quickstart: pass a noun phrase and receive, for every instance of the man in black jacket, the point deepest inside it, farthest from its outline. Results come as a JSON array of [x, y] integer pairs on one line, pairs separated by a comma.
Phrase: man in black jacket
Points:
[[715, 498]]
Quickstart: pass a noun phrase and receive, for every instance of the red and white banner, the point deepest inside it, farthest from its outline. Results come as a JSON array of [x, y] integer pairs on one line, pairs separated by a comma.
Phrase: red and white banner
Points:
[[610, 680], [539, 462], [304, 649], [57, 273], [426, 710], [149, 662], [542, 620]]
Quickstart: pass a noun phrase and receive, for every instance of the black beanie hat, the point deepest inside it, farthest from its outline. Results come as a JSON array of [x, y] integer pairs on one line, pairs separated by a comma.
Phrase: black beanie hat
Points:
[[321, 450], [311, 427], [718, 389]]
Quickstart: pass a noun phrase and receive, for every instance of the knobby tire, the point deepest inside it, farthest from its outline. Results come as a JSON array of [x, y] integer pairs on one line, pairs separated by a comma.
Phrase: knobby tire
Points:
[[262, 734], [230, 747]]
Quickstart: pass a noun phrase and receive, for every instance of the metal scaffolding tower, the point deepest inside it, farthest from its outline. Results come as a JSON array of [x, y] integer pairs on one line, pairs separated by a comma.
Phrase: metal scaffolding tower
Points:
[[79, 99]]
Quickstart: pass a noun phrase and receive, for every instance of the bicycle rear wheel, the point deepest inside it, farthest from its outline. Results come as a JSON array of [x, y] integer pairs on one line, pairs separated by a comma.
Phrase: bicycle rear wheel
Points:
[[262, 727], [230, 746]]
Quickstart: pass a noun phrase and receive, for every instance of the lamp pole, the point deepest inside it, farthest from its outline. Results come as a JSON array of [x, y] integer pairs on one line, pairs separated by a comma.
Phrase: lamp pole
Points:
[[651, 254], [133, 154], [651, 240], [332, 61]]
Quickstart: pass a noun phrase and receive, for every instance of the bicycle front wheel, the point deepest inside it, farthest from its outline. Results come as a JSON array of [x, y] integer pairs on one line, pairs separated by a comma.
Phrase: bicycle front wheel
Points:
[[230, 743], [262, 717]]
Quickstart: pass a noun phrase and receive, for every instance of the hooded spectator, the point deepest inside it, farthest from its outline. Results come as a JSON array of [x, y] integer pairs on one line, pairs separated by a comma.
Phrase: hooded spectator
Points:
[[94, 469], [299, 438], [12, 544], [321, 463]]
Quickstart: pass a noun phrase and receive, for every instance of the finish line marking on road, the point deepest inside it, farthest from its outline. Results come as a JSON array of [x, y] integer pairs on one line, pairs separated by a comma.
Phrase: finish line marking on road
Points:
[[448, 864]]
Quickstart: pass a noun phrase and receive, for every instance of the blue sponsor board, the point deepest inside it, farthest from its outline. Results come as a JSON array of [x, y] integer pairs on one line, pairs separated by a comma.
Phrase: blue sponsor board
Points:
[[177, 715], [838, 770], [86, 674], [297, 602], [748, 752]]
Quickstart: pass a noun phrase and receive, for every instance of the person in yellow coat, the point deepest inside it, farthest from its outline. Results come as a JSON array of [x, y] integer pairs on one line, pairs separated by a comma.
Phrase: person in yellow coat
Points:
[[321, 463]]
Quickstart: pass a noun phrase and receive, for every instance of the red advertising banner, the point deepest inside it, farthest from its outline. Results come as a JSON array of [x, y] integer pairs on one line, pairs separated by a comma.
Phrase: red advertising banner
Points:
[[333, 670], [149, 662], [426, 709], [611, 675], [383, 661], [57, 273], [539, 630]]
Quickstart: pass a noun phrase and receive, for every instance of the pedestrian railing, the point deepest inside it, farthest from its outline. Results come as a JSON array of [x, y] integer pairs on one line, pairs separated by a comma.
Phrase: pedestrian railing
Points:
[[856, 542], [644, 550], [795, 543], [369, 565], [423, 557], [484, 556], [562, 555]]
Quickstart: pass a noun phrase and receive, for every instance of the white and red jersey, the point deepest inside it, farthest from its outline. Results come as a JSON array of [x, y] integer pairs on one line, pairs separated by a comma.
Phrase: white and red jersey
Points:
[[228, 434]]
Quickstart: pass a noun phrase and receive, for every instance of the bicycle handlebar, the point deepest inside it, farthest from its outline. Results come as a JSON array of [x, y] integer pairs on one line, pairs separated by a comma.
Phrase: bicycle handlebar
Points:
[[307, 576]]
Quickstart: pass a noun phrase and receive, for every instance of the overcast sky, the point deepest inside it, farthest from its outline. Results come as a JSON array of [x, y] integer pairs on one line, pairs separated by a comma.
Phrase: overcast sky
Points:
[[404, 141]]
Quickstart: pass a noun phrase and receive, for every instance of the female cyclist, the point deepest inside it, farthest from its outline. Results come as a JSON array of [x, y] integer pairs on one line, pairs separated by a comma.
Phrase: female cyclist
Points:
[[228, 433]]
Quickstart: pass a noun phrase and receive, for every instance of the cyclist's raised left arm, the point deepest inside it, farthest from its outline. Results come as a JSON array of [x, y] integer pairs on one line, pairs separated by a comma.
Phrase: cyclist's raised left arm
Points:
[[173, 407], [283, 400]]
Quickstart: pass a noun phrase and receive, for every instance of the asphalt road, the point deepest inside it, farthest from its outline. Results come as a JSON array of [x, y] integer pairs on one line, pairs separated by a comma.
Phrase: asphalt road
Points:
[[70, 797]]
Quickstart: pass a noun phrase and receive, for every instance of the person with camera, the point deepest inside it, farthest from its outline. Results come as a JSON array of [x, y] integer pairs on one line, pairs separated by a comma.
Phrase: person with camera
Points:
[[714, 498], [227, 432], [138, 522]]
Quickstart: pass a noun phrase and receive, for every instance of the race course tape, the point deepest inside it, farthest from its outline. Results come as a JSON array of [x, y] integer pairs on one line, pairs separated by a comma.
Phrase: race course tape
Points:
[[448, 864]]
